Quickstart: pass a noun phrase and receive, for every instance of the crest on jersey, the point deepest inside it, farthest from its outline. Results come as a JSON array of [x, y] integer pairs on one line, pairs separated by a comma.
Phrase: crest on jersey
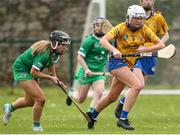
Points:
[[96, 45], [125, 37]]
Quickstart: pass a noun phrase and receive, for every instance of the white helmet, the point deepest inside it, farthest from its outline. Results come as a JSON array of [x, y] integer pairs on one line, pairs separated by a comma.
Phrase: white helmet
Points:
[[136, 11]]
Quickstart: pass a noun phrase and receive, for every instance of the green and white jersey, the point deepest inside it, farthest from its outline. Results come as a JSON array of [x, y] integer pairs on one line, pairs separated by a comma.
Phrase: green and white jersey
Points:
[[94, 54], [26, 61]]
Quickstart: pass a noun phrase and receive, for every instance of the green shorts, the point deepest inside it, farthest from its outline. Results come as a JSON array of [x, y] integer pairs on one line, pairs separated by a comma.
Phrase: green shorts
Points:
[[19, 76], [82, 79]]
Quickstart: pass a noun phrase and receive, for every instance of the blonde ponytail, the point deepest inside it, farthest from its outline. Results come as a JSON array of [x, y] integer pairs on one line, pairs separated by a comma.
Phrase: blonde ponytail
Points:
[[40, 46]]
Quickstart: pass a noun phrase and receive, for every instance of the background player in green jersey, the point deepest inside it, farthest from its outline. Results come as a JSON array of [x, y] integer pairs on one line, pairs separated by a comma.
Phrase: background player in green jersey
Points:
[[92, 57], [28, 68]]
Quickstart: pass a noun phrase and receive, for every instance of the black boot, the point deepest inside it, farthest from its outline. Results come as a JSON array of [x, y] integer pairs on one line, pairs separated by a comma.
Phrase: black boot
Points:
[[90, 124], [68, 101], [118, 110], [124, 124]]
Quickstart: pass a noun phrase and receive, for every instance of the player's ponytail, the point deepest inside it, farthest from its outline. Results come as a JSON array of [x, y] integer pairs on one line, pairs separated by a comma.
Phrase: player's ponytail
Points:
[[39, 46]]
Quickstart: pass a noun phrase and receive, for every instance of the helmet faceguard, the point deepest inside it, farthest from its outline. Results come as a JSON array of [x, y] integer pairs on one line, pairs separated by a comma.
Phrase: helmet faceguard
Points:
[[136, 11], [59, 37], [97, 22]]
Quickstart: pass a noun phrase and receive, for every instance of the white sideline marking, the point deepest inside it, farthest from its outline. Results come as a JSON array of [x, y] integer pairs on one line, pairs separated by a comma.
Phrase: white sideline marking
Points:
[[154, 92], [145, 92], [160, 92]]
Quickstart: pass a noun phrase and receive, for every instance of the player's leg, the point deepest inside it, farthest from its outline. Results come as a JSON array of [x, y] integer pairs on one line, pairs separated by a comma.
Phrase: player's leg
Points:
[[119, 106], [130, 100], [36, 93], [26, 101], [84, 83], [7, 109], [125, 77], [143, 68], [115, 90], [82, 93], [98, 88], [22, 102]]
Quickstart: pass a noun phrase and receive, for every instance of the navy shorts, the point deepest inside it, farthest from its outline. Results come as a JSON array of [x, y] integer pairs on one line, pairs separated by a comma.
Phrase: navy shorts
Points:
[[115, 64], [147, 65]]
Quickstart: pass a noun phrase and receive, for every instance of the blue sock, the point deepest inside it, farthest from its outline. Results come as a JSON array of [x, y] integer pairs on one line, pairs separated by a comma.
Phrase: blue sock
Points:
[[124, 115], [94, 113], [36, 124], [121, 100]]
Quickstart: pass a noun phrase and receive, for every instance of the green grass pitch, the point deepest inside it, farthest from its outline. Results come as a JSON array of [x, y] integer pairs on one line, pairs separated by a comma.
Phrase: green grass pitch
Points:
[[150, 115]]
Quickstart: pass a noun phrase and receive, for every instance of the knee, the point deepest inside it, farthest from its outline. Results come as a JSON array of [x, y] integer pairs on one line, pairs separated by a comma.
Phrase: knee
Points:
[[41, 100], [29, 103], [80, 99], [138, 87], [112, 97]]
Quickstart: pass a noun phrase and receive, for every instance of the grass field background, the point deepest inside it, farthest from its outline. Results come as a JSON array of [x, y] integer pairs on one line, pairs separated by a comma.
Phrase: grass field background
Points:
[[150, 115]]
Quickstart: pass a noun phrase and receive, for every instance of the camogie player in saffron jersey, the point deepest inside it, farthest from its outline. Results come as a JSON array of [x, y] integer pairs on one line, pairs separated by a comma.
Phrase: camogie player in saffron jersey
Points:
[[130, 37], [156, 22]]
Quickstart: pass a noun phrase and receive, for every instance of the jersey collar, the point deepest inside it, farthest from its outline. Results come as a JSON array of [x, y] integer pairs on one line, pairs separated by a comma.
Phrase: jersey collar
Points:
[[129, 27], [151, 14], [95, 36]]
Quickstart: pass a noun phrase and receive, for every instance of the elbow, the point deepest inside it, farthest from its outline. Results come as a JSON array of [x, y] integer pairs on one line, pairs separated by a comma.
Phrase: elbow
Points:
[[79, 57], [34, 71], [165, 37]]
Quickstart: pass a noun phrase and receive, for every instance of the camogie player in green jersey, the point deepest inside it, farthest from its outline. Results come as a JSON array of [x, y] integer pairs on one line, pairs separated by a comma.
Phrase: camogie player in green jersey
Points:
[[28, 68], [92, 57]]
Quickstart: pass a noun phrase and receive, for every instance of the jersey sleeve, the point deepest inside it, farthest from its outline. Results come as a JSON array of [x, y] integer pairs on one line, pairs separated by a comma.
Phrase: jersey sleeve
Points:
[[40, 60], [151, 36], [85, 47], [164, 26], [114, 32]]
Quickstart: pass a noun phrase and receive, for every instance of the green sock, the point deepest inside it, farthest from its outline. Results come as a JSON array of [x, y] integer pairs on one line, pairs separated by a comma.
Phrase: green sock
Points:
[[11, 108], [36, 124]]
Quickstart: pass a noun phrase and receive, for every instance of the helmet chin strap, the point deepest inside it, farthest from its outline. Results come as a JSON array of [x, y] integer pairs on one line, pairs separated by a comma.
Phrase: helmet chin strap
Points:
[[99, 34], [54, 47], [133, 28]]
